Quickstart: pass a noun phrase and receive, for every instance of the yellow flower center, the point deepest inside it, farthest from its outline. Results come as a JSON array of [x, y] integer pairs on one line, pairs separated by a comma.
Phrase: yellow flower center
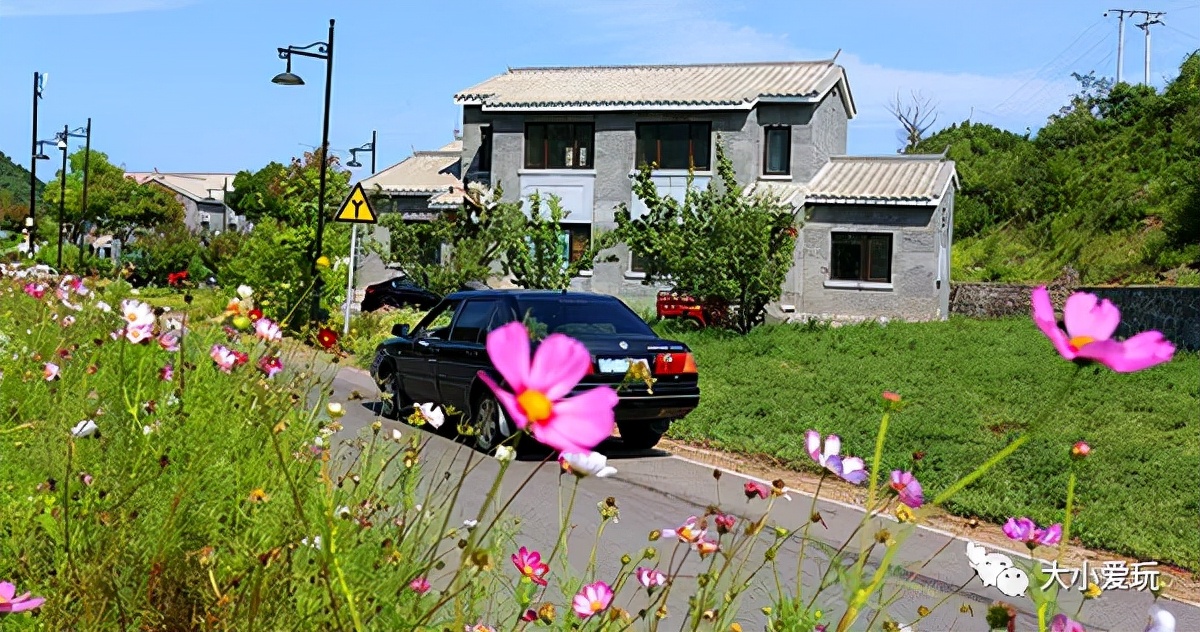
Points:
[[687, 534], [132, 317], [536, 406], [597, 606], [1078, 342], [528, 570]]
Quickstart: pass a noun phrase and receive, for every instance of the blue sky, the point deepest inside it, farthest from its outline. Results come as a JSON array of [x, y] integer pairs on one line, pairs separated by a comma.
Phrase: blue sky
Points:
[[184, 85]]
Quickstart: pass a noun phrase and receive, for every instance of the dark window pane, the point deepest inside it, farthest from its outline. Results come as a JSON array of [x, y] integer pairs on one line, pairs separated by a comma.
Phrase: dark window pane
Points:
[[561, 146], [674, 146], [472, 320], [585, 135], [847, 257], [636, 263], [580, 316], [484, 160], [778, 151], [535, 146], [577, 238], [647, 144], [880, 252], [701, 136]]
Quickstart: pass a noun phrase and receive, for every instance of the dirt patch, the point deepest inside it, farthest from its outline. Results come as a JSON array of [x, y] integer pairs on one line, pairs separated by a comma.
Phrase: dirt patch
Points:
[[1182, 584]]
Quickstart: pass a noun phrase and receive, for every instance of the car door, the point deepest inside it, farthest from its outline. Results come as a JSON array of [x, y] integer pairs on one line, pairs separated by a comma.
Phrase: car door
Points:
[[464, 354], [417, 365]]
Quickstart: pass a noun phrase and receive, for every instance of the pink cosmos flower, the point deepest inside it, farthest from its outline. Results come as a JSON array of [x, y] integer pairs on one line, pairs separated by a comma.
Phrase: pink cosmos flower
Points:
[[1080, 450], [1090, 324], [270, 365], [479, 627], [9, 602], [267, 330], [223, 357], [530, 564], [240, 358], [139, 334], [891, 397], [649, 577], [419, 585], [538, 400], [36, 290], [530, 615], [724, 523], [1025, 530], [169, 341], [67, 320], [592, 599], [706, 547], [50, 371], [754, 488], [167, 372], [850, 469], [116, 335], [1049, 536], [909, 489], [690, 531], [1063, 623]]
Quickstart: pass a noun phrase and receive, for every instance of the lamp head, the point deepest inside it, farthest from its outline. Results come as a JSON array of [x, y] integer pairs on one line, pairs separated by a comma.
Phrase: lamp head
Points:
[[288, 79], [62, 143], [354, 163], [41, 156]]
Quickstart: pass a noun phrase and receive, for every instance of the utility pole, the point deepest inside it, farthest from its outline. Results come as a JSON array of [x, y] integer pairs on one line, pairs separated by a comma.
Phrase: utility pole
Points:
[[1152, 18], [1120, 38], [87, 156]]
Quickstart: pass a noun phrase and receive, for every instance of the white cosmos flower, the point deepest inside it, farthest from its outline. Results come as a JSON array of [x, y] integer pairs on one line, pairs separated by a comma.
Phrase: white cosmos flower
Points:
[[1160, 620], [505, 453], [84, 429], [432, 414], [395, 434], [315, 542], [102, 306], [590, 464], [137, 314], [245, 291], [342, 512], [470, 524]]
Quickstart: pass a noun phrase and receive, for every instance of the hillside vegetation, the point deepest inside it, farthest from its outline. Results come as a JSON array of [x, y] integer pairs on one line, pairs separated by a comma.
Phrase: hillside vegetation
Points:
[[1110, 186], [14, 190]]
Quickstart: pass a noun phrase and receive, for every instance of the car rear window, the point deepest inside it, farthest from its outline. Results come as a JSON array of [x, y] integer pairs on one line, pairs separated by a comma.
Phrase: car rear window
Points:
[[580, 316]]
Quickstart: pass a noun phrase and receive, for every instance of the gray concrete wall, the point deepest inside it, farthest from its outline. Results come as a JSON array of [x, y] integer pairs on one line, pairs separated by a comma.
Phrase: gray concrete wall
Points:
[[912, 294]]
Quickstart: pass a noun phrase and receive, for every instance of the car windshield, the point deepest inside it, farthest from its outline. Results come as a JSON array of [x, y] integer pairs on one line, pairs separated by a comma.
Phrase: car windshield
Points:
[[580, 316]]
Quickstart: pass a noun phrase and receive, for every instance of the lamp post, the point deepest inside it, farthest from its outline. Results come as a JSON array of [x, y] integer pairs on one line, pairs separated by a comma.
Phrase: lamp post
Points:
[[87, 155], [324, 50], [63, 144], [39, 153], [354, 163], [39, 80]]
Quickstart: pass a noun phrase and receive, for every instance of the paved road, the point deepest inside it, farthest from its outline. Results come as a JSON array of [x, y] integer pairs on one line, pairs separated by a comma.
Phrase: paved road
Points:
[[656, 490]]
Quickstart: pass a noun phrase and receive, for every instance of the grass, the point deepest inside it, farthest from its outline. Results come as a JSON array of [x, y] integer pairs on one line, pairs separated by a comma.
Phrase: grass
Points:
[[971, 386]]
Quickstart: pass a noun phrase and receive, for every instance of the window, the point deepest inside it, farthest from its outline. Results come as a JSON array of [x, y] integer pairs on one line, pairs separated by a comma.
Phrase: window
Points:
[[483, 159], [559, 145], [862, 257], [674, 145], [436, 324], [472, 320], [575, 240], [580, 316], [777, 151], [637, 265]]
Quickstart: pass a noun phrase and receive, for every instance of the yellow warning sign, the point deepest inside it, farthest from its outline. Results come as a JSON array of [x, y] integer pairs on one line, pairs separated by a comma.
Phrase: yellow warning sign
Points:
[[356, 209]]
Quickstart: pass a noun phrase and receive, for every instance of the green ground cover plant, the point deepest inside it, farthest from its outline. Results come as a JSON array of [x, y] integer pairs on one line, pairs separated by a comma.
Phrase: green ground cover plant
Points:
[[970, 385]]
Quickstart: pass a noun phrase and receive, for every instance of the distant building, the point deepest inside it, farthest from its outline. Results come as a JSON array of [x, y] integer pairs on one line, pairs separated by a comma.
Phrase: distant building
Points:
[[202, 196]]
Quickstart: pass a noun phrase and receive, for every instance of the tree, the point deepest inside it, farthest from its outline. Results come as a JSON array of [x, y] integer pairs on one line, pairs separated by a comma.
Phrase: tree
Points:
[[540, 260], [915, 117], [116, 204], [718, 245], [455, 247]]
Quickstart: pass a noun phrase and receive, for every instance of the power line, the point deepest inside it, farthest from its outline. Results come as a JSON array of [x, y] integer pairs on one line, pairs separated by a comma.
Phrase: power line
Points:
[[1049, 63], [1032, 102]]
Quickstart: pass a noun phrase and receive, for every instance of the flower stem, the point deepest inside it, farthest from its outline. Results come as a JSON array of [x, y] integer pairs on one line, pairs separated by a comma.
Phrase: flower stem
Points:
[[1066, 531], [566, 520], [812, 508], [1009, 449]]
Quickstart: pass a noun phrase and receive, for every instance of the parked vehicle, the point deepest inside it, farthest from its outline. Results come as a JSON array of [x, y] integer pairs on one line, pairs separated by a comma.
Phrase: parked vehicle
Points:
[[439, 360], [672, 304], [398, 292]]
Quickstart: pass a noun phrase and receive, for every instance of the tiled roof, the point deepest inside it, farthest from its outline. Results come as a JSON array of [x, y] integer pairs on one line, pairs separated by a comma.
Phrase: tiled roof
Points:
[[423, 173], [450, 199], [196, 186], [918, 180], [901, 179], [699, 86]]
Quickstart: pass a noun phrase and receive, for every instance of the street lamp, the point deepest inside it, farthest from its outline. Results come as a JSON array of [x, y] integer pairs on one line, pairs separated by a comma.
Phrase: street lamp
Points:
[[63, 137], [354, 163], [324, 50], [39, 81]]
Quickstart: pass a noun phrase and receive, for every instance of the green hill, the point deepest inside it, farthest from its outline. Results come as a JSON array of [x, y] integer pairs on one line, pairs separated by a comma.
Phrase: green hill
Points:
[[14, 191], [1110, 186]]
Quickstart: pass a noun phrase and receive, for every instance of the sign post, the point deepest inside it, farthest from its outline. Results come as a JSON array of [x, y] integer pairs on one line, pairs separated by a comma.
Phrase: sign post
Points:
[[354, 211]]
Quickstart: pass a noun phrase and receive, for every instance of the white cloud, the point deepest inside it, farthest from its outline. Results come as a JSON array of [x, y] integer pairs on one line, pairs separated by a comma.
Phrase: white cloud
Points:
[[29, 8], [678, 32]]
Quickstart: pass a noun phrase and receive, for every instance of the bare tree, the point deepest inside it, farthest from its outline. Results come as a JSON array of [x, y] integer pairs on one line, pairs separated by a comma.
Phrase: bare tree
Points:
[[916, 117]]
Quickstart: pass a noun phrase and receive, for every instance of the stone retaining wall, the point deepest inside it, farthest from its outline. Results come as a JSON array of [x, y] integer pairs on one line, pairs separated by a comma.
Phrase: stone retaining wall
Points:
[[1175, 311]]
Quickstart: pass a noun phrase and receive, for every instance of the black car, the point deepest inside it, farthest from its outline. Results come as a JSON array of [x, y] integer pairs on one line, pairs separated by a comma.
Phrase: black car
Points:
[[439, 360], [398, 292]]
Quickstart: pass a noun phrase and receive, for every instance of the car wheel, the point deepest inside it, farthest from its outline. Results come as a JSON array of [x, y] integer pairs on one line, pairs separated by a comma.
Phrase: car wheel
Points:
[[396, 401], [487, 422], [642, 435]]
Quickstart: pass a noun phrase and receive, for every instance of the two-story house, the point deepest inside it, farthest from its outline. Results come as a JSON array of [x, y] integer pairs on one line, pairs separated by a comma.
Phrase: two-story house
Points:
[[877, 242], [202, 196]]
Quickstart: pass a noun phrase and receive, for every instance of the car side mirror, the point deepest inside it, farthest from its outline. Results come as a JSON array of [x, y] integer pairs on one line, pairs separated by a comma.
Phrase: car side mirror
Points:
[[400, 329]]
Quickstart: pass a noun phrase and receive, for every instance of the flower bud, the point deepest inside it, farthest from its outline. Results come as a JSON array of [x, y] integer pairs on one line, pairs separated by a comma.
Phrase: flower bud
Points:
[[716, 473], [650, 553], [655, 535], [780, 532], [626, 560], [376, 426], [769, 555], [1080, 450], [335, 410]]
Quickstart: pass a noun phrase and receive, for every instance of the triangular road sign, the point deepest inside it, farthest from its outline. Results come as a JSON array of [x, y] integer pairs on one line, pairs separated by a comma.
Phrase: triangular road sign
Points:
[[357, 208]]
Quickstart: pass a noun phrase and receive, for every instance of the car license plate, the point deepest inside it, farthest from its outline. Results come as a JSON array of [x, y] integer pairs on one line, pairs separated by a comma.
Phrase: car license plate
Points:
[[613, 365]]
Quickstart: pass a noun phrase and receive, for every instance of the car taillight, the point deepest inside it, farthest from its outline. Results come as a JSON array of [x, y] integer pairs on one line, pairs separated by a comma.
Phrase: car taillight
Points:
[[674, 363], [591, 368], [370, 290]]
